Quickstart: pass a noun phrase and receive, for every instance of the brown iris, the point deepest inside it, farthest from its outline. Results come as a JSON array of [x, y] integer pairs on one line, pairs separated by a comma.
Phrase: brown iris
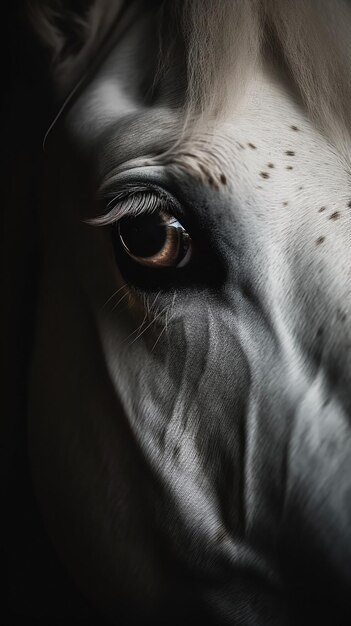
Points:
[[155, 239]]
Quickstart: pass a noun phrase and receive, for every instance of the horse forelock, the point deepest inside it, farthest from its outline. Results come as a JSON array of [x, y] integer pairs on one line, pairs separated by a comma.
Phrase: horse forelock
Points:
[[221, 40]]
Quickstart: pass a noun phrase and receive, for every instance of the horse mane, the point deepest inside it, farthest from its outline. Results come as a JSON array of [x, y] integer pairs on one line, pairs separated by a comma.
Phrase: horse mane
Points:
[[312, 37], [223, 44]]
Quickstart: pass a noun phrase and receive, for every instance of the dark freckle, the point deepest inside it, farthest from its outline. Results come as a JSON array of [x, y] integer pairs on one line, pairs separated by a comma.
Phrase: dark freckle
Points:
[[294, 128], [252, 146], [322, 209], [289, 167], [320, 240], [300, 188], [334, 216], [285, 203], [271, 165], [264, 175], [319, 332], [349, 204], [290, 153], [210, 180], [223, 179]]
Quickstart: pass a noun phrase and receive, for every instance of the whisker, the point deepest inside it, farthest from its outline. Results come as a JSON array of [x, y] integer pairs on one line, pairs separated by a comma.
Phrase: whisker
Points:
[[171, 307], [137, 329], [158, 338], [165, 328], [113, 295], [119, 301], [149, 307], [154, 302], [150, 324], [168, 318]]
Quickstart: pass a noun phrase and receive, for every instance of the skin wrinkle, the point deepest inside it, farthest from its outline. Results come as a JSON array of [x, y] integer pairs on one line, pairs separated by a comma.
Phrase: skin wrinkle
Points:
[[226, 414], [177, 424], [233, 516], [204, 161]]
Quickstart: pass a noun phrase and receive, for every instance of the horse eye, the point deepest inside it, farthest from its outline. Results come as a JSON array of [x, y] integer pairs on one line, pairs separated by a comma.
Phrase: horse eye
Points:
[[155, 240]]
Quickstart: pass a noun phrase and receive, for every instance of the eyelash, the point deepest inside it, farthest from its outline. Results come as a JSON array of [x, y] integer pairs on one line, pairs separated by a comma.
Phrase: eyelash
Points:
[[134, 202]]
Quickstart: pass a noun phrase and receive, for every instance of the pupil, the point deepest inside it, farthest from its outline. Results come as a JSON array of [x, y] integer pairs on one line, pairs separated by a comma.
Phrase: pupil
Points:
[[144, 236]]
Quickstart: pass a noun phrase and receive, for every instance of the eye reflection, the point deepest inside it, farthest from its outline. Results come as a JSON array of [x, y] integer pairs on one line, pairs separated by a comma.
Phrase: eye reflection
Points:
[[155, 240]]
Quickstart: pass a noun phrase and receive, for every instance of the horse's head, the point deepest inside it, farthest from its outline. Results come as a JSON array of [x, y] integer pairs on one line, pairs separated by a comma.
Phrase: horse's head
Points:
[[190, 436]]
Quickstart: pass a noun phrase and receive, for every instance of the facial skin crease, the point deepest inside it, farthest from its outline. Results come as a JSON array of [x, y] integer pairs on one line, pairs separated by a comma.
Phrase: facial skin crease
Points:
[[204, 464]]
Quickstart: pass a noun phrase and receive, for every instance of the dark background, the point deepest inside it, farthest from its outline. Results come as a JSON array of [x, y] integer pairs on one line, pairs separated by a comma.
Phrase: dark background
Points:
[[35, 588]]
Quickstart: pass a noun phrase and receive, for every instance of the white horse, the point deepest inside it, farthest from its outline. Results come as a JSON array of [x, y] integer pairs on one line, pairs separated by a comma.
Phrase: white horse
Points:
[[189, 429]]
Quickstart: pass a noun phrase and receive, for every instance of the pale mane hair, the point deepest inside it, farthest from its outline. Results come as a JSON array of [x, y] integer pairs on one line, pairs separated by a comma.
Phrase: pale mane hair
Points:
[[224, 41]]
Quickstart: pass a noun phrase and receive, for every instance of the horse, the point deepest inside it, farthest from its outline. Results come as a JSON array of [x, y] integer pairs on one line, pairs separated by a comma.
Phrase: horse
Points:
[[189, 388]]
